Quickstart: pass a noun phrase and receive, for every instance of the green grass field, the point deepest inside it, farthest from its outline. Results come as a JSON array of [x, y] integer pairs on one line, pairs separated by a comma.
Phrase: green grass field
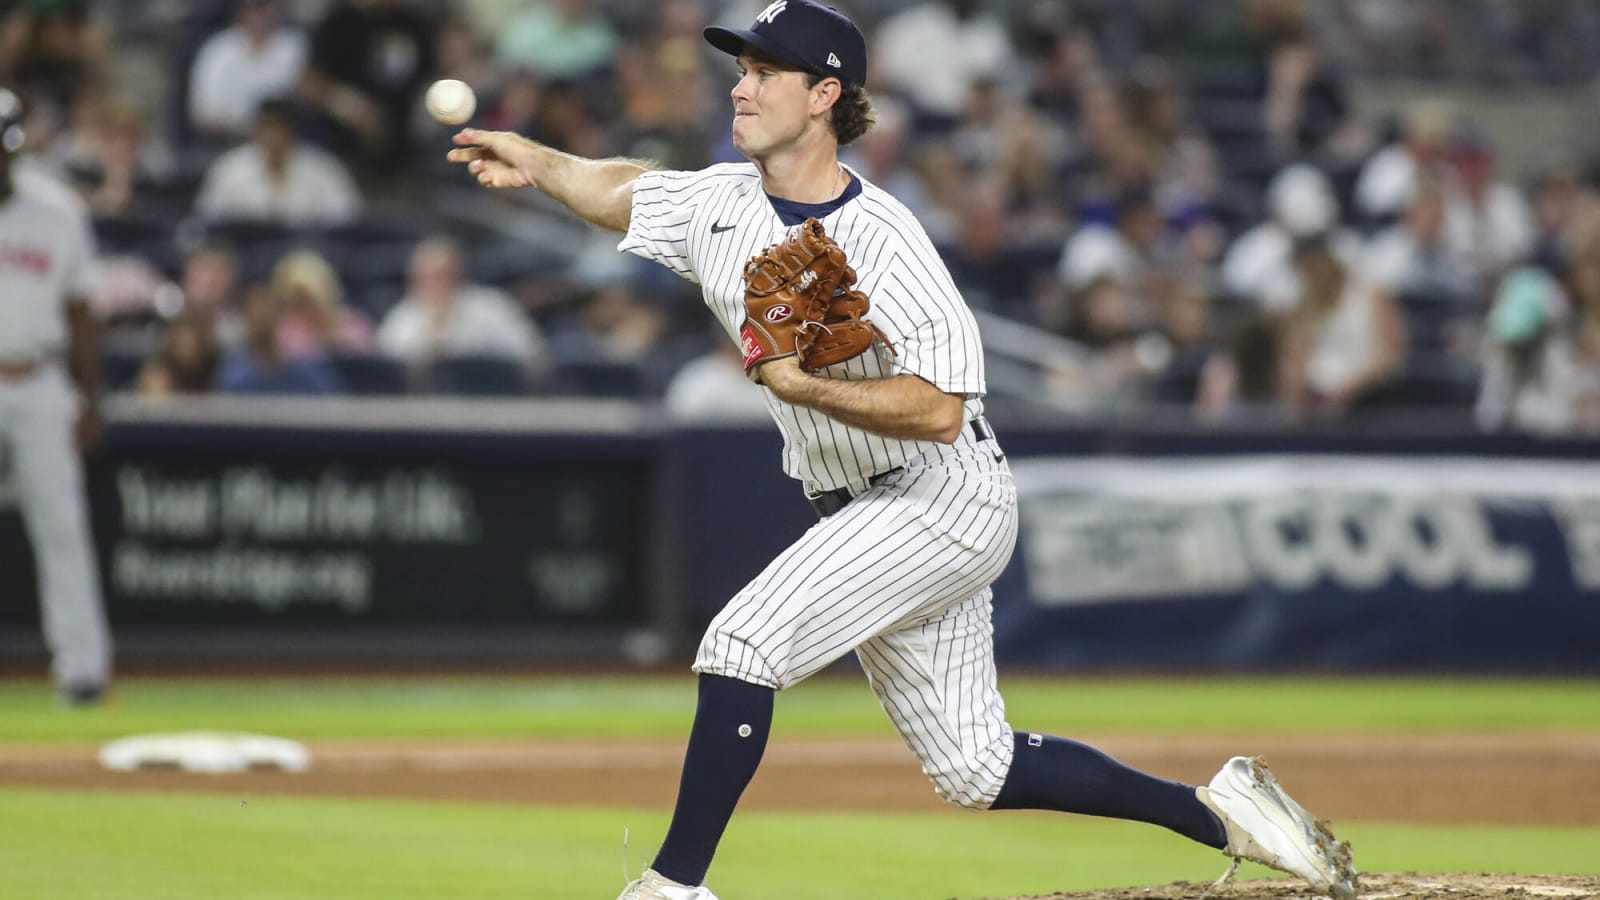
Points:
[[134, 846], [532, 706]]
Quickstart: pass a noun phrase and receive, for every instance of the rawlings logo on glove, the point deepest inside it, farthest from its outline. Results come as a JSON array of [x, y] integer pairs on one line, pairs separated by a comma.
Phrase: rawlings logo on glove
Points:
[[799, 301]]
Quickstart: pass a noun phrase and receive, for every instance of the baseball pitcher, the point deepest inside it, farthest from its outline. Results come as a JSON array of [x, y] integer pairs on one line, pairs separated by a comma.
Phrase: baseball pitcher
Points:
[[873, 372]]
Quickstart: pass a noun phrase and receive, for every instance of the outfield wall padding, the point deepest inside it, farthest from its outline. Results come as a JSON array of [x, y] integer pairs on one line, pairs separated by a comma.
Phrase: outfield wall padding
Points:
[[580, 532]]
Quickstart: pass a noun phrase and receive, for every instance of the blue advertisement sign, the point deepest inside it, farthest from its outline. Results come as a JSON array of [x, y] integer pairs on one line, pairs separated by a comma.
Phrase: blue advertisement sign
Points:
[[1304, 562]]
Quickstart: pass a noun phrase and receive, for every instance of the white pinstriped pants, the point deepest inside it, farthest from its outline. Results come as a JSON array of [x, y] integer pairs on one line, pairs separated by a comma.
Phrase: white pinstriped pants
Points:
[[901, 575], [36, 420]]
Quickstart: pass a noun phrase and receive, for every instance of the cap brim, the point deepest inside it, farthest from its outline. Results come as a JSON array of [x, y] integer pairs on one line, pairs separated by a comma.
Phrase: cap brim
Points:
[[733, 42]]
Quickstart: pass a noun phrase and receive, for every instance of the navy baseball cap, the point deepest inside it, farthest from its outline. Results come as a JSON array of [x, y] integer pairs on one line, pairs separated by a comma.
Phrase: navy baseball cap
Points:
[[802, 34]]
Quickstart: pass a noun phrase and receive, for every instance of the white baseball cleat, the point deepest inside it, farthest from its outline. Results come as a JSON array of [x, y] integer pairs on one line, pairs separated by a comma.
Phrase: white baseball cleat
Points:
[[652, 885], [1266, 826]]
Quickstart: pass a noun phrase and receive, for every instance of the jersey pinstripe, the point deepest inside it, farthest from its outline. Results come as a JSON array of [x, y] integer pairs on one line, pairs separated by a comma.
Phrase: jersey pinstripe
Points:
[[706, 225], [901, 573]]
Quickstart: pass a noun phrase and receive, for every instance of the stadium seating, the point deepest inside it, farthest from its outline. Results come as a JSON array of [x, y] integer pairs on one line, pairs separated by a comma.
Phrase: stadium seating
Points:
[[478, 376], [599, 378], [370, 374]]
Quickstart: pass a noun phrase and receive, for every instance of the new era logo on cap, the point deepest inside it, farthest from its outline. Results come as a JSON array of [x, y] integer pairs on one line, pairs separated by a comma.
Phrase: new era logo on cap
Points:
[[803, 34]]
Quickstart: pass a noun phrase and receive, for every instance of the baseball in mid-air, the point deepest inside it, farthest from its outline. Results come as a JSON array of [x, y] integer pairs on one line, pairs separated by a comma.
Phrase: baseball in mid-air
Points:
[[450, 102]]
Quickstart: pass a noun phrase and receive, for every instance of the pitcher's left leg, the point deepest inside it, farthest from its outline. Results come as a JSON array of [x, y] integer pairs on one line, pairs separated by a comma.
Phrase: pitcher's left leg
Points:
[[937, 683]]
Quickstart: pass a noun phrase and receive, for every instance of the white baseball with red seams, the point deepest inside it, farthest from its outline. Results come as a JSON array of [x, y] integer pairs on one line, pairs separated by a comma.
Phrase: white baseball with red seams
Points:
[[901, 573]]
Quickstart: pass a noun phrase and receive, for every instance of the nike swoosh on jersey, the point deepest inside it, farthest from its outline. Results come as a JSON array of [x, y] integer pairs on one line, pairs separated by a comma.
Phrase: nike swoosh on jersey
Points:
[[718, 229]]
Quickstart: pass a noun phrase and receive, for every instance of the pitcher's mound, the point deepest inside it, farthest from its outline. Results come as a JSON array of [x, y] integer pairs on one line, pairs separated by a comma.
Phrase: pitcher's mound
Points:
[[1379, 886]]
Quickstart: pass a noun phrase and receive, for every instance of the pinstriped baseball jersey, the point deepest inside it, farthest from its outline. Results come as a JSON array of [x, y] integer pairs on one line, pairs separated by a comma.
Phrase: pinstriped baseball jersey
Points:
[[901, 573], [706, 225]]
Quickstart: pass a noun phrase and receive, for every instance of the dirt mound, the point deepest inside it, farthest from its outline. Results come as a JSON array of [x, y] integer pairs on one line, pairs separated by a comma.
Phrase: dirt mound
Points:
[[1381, 886]]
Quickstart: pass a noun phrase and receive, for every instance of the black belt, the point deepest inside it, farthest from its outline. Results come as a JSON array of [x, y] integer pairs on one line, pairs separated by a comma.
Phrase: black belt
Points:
[[829, 502]]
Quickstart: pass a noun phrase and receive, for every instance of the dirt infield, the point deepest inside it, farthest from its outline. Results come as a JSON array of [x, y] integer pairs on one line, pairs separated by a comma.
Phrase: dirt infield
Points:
[[1407, 886], [1488, 779]]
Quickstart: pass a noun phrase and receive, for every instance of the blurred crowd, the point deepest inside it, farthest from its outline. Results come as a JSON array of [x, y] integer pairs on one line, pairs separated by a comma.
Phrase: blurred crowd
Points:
[[1175, 196]]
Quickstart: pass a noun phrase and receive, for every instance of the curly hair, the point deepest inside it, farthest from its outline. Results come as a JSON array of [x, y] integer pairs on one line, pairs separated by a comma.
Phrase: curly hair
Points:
[[852, 112]]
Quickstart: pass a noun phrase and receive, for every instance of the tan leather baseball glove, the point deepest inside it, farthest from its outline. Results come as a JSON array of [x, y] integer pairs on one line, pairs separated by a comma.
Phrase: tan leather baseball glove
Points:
[[800, 300]]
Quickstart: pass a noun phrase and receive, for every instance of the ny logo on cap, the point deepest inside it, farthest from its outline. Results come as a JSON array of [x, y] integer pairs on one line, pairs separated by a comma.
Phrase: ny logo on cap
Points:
[[772, 10]]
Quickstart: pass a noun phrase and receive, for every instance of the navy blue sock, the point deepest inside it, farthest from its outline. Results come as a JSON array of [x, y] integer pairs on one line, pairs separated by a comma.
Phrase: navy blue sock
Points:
[[1055, 773], [725, 747]]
